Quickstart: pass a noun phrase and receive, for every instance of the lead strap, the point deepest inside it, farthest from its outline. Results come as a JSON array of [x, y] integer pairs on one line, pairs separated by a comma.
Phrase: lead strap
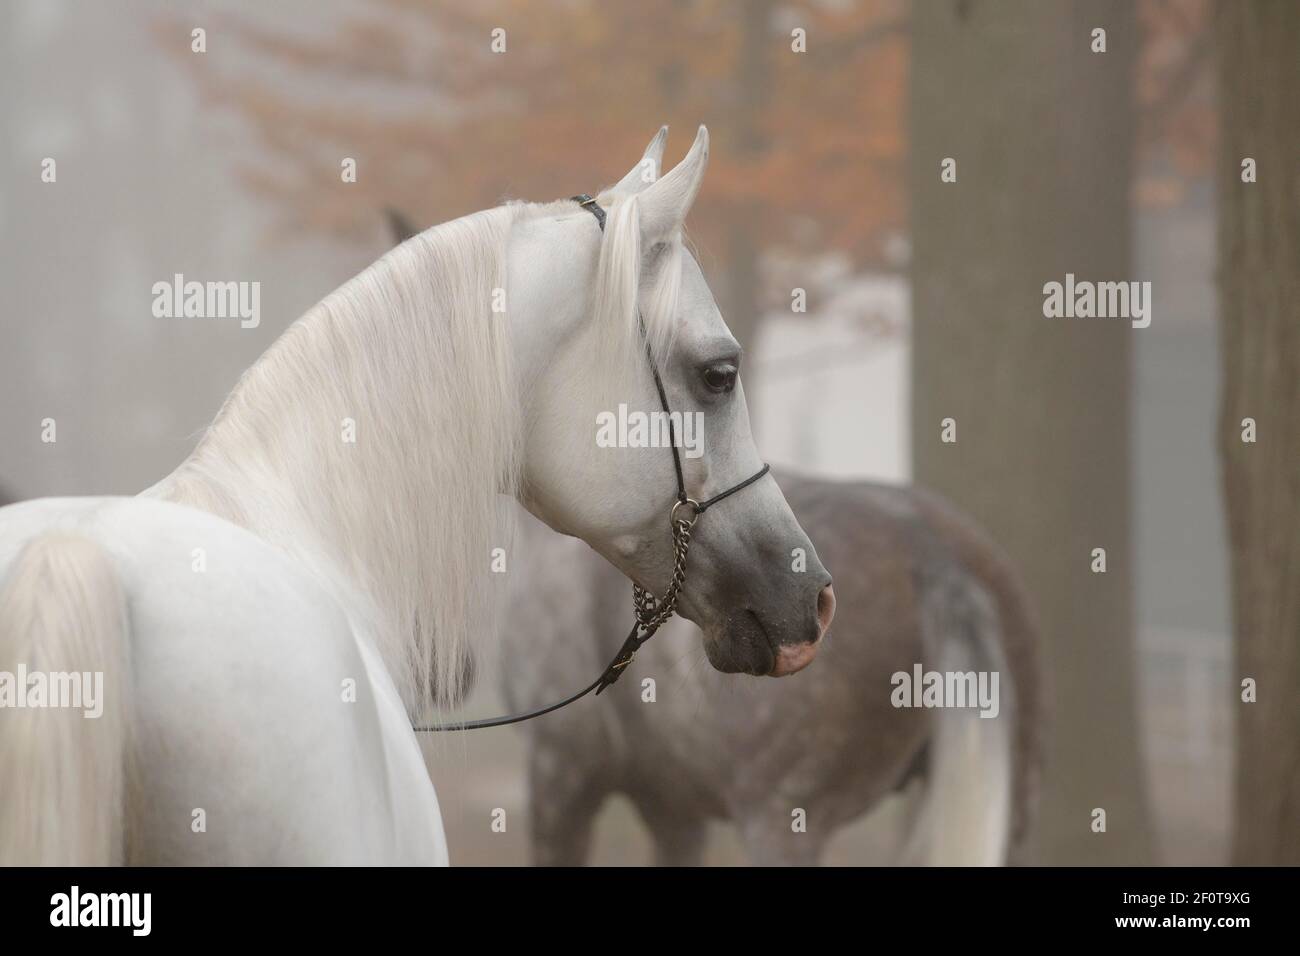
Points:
[[651, 613]]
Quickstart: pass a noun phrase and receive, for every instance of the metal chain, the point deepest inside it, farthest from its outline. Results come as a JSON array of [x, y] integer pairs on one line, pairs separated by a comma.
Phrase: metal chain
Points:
[[652, 613]]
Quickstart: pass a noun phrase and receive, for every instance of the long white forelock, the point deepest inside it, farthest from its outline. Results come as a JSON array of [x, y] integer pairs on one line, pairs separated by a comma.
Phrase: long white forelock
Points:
[[618, 292], [412, 352]]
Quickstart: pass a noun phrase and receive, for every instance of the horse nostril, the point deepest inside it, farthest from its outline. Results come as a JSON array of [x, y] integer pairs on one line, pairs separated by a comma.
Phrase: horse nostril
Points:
[[825, 610]]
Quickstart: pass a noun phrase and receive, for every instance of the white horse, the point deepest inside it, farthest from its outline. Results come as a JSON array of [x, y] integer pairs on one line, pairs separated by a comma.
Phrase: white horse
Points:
[[270, 617]]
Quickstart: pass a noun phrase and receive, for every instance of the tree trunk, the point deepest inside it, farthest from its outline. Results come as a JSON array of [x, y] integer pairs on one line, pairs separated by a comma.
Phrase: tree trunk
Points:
[[1259, 307], [1041, 128], [753, 81]]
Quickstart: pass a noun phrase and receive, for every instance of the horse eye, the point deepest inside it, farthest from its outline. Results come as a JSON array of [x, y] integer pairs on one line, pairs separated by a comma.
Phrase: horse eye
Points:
[[720, 378]]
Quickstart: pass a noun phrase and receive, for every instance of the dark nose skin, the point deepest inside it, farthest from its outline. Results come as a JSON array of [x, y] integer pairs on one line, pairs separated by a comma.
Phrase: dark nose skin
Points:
[[791, 658]]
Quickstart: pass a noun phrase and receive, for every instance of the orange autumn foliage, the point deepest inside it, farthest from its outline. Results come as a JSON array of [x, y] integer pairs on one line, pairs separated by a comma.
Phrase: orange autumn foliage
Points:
[[440, 125], [810, 146]]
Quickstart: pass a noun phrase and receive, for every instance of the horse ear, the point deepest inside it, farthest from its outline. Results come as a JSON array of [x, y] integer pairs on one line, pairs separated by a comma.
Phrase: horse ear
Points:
[[646, 171], [400, 227], [664, 204]]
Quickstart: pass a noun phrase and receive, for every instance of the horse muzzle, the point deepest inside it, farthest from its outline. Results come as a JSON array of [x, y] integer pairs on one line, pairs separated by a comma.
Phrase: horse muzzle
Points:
[[792, 658]]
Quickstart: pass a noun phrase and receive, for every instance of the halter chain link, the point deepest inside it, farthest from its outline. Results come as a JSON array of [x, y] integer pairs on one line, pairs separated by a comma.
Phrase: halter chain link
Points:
[[651, 613]]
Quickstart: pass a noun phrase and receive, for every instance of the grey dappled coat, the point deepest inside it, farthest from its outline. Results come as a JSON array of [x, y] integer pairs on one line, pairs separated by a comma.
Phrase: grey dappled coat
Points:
[[752, 749]]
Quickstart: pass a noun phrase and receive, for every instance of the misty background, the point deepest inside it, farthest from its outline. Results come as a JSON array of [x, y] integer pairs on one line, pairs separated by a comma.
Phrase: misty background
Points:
[[164, 168]]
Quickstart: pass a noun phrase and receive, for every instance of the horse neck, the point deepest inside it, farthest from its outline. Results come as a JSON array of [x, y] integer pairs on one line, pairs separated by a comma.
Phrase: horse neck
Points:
[[373, 439]]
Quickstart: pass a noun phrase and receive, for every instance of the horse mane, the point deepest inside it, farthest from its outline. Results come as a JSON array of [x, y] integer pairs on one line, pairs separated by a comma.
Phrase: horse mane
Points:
[[628, 333], [412, 354]]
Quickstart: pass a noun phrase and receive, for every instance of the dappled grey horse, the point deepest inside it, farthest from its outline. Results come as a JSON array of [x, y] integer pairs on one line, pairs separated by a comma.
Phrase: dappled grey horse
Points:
[[789, 762]]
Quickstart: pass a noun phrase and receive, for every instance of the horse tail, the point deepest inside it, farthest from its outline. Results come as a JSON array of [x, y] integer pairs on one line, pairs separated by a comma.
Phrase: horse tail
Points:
[[63, 624], [965, 816]]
